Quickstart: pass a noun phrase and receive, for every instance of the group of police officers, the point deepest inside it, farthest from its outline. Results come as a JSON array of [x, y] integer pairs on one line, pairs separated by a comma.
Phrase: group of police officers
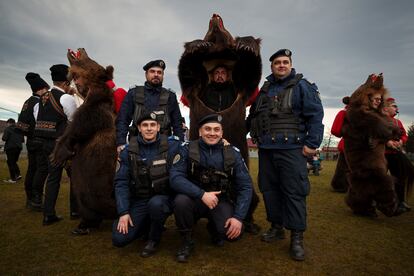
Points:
[[159, 174]]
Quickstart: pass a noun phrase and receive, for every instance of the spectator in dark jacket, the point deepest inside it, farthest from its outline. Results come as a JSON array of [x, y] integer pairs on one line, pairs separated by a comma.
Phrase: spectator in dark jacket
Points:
[[12, 147]]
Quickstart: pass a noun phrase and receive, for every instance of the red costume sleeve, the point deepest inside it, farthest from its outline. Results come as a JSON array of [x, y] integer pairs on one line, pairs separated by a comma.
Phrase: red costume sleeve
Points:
[[338, 122], [253, 97], [119, 96], [184, 100], [404, 136]]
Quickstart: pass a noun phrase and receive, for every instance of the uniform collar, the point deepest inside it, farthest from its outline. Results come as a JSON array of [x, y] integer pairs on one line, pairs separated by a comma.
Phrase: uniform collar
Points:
[[141, 140], [271, 78], [203, 145], [148, 86]]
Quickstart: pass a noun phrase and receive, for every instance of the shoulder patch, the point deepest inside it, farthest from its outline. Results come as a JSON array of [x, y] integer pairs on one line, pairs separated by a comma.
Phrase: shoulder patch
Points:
[[173, 138], [308, 81], [117, 166], [236, 149], [177, 158]]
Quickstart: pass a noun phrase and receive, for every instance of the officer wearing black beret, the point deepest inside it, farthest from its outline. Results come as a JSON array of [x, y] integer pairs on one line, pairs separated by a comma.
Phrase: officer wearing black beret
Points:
[[154, 63], [150, 97], [281, 52], [143, 197], [212, 181], [286, 122]]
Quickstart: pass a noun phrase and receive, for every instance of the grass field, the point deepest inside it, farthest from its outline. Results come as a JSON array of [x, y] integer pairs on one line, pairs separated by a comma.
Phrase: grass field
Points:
[[336, 242]]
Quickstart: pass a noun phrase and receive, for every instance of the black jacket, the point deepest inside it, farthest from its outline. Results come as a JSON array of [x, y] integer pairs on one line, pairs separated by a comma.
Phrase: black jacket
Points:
[[13, 138]]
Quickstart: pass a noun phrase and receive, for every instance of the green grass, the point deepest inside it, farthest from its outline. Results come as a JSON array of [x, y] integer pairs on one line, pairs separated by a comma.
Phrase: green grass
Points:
[[336, 242]]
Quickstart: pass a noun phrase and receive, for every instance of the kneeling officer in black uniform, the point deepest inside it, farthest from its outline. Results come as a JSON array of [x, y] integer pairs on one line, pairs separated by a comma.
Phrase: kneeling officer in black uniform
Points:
[[212, 181], [143, 197]]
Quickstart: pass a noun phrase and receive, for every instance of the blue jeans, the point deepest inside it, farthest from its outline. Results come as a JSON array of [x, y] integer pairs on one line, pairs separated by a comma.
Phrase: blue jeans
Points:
[[145, 214]]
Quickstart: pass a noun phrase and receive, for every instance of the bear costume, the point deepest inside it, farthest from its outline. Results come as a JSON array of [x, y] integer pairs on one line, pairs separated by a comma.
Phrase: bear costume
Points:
[[366, 130], [241, 57], [89, 141]]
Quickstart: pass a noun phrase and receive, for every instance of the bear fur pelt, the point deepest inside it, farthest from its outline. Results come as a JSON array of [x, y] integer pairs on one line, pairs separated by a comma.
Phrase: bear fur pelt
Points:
[[366, 130], [242, 56], [219, 47], [89, 141]]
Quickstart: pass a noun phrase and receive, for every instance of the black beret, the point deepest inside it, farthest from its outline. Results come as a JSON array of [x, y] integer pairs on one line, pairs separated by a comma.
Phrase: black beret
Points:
[[147, 116], [36, 82], [59, 72], [216, 118], [281, 52], [154, 63]]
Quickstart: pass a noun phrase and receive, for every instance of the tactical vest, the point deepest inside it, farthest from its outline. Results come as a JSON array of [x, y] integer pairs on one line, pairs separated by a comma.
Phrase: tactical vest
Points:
[[51, 119], [212, 179], [162, 110], [149, 180], [26, 122], [274, 115]]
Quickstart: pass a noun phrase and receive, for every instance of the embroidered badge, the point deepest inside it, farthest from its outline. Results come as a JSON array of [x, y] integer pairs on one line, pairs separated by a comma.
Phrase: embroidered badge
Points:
[[177, 158]]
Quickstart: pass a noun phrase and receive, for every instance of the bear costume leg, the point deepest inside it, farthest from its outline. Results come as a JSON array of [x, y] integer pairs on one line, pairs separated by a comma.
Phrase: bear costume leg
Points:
[[386, 197], [360, 194], [369, 186]]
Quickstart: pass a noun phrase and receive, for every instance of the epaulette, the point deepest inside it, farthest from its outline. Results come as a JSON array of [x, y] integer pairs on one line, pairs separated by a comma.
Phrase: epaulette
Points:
[[308, 81], [236, 148], [173, 138], [125, 148], [311, 83]]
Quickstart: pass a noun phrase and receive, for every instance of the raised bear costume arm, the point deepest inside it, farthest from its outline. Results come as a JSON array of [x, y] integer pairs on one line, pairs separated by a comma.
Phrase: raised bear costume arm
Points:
[[84, 126]]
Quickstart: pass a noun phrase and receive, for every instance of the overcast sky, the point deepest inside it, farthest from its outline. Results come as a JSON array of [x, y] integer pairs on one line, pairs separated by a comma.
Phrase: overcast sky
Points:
[[336, 44]]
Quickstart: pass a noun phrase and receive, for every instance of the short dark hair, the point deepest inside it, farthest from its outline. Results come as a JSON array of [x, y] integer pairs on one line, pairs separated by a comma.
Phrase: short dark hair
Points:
[[11, 121]]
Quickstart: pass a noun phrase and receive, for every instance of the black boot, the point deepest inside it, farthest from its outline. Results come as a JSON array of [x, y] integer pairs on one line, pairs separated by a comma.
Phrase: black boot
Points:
[[297, 252], [187, 246], [216, 239], [149, 249], [276, 232], [251, 227], [36, 203]]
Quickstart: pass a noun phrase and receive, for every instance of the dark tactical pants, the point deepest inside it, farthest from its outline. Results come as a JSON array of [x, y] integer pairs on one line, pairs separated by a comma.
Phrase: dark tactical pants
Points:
[[283, 181], [188, 211], [145, 213]]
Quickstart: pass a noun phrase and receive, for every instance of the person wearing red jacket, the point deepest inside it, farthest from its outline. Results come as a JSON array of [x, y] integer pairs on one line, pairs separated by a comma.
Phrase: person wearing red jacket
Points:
[[119, 95], [398, 164], [339, 182]]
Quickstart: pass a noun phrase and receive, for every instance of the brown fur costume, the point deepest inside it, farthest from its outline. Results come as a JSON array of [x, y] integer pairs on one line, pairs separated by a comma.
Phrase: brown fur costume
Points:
[[90, 141], [219, 47], [242, 56], [365, 131]]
